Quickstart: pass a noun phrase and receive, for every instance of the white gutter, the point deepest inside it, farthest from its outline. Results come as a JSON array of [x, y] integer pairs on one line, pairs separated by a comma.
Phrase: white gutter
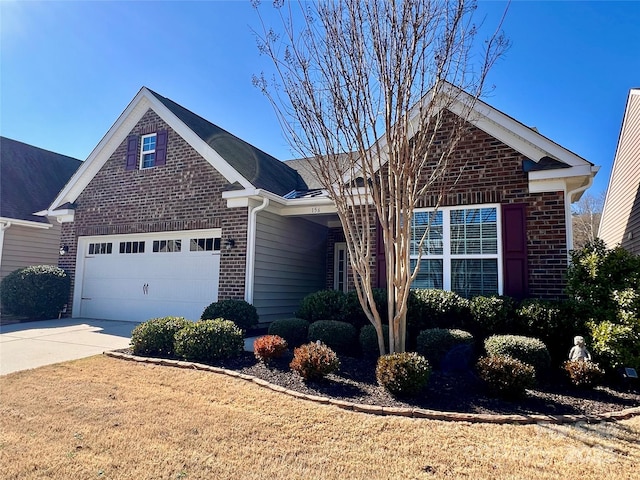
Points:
[[251, 249], [3, 227]]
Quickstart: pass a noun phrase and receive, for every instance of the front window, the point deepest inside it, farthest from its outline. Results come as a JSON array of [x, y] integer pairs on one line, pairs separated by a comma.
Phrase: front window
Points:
[[148, 151], [458, 250]]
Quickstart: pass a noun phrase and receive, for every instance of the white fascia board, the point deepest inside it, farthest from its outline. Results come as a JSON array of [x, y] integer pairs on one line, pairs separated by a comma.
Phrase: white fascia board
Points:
[[25, 223], [278, 204], [581, 171], [142, 102], [549, 185]]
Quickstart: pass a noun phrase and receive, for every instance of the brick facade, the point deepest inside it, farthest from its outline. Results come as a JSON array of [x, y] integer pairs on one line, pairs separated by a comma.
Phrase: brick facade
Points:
[[184, 194], [492, 172]]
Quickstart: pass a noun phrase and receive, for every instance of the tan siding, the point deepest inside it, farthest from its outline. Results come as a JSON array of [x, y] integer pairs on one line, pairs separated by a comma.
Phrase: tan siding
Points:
[[25, 246], [621, 216], [290, 263]]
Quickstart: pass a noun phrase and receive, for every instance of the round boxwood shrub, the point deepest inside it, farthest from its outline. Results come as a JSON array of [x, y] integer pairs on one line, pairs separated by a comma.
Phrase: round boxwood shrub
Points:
[[493, 315], [314, 361], [583, 374], [209, 340], [526, 349], [268, 347], [243, 314], [434, 343], [157, 336], [40, 291], [369, 340], [339, 336], [323, 305], [403, 373], [294, 330], [434, 308], [506, 376]]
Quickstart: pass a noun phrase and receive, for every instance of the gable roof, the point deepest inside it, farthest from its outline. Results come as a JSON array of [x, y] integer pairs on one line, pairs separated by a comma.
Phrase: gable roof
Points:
[[243, 165], [30, 178], [258, 167]]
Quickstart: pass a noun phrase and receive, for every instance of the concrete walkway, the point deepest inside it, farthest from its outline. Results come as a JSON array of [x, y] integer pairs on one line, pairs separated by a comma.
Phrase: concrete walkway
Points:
[[34, 344]]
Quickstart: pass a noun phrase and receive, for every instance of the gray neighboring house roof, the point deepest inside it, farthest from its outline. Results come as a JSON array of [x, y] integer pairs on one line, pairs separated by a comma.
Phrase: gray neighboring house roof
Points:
[[258, 167], [30, 178]]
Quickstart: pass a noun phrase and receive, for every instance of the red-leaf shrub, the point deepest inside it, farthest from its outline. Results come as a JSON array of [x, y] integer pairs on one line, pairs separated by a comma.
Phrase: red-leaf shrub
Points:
[[313, 361], [269, 347]]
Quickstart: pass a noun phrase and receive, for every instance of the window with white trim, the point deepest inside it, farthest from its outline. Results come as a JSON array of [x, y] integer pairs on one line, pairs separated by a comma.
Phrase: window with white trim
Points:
[[340, 267], [459, 250], [148, 151], [167, 246], [100, 248], [210, 244]]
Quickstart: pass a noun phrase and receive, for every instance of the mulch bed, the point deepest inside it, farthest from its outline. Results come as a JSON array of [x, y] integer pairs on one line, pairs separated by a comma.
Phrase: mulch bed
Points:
[[460, 392]]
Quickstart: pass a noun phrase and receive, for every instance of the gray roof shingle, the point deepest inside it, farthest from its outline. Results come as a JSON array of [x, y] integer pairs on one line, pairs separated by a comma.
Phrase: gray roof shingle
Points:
[[258, 167], [30, 179]]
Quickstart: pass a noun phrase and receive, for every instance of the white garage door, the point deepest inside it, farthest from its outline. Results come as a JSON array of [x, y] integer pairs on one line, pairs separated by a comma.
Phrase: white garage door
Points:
[[138, 277]]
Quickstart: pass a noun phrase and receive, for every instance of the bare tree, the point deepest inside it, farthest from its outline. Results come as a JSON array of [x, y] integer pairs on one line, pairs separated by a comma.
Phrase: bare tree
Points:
[[585, 217], [363, 88]]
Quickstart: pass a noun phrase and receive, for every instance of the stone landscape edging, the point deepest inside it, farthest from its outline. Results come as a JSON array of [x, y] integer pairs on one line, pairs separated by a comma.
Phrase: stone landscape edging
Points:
[[520, 419]]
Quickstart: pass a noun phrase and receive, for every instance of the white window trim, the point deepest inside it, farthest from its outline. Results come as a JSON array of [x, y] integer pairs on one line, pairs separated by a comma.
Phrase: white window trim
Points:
[[447, 256], [147, 152], [338, 247]]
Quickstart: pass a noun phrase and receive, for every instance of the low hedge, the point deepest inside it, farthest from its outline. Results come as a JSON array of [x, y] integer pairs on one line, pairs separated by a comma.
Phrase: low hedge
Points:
[[339, 336], [526, 349], [314, 361], [294, 330], [368, 340], [403, 374], [506, 376], [156, 337], [243, 314], [323, 305], [434, 343], [209, 340]]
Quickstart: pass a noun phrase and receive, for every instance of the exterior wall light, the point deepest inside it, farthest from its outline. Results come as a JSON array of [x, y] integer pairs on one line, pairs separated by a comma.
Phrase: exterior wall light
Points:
[[64, 249]]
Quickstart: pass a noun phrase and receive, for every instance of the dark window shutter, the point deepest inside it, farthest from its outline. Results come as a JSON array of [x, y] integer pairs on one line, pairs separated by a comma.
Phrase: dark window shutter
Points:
[[381, 265], [514, 246], [161, 147], [132, 153]]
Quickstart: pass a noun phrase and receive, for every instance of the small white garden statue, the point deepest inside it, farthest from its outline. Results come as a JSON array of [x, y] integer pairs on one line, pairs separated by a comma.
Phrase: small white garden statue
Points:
[[579, 351]]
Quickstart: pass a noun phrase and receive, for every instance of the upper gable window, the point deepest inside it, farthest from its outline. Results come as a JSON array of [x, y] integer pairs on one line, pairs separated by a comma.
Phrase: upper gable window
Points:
[[148, 151]]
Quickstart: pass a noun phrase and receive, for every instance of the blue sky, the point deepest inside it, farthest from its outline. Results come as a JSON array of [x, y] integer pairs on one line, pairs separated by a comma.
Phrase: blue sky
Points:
[[68, 69]]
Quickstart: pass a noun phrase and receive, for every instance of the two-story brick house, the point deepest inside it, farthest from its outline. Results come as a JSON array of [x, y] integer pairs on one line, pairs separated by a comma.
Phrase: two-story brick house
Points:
[[170, 212]]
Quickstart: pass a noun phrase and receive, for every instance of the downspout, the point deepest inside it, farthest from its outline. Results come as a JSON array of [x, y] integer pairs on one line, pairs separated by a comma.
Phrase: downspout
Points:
[[569, 218], [3, 227], [251, 250]]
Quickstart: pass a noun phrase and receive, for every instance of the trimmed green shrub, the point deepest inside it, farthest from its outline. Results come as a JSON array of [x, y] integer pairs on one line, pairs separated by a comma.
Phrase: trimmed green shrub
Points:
[[268, 347], [209, 340], [40, 291], [506, 376], [339, 336], [583, 374], [369, 340], [555, 322], [403, 374], [617, 343], [353, 312], [433, 308], [294, 330], [323, 305], [434, 343], [526, 349], [493, 315], [157, 336], [314, 361], [243, 314]]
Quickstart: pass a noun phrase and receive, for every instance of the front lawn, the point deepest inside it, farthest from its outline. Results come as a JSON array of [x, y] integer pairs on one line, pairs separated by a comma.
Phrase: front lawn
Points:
[[107, 418]]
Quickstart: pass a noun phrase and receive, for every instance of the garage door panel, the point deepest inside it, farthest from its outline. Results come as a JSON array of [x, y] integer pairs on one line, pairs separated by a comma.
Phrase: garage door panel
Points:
[[146, 285]]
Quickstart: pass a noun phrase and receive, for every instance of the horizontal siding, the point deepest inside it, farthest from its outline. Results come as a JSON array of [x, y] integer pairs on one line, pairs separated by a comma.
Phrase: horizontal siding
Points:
[[25, 246], [290, 263], [621, 217]]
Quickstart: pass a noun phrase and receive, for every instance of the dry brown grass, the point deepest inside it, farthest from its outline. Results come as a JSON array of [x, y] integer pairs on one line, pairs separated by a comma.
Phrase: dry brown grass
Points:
[[107, 418]]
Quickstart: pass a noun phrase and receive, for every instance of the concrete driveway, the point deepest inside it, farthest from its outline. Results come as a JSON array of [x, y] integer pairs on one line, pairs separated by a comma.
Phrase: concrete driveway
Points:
[[34, 344]]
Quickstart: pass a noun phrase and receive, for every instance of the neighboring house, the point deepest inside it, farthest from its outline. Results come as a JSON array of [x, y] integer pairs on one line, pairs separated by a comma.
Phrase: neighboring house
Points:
[[620, 224], [170, 213], [30, 178]]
